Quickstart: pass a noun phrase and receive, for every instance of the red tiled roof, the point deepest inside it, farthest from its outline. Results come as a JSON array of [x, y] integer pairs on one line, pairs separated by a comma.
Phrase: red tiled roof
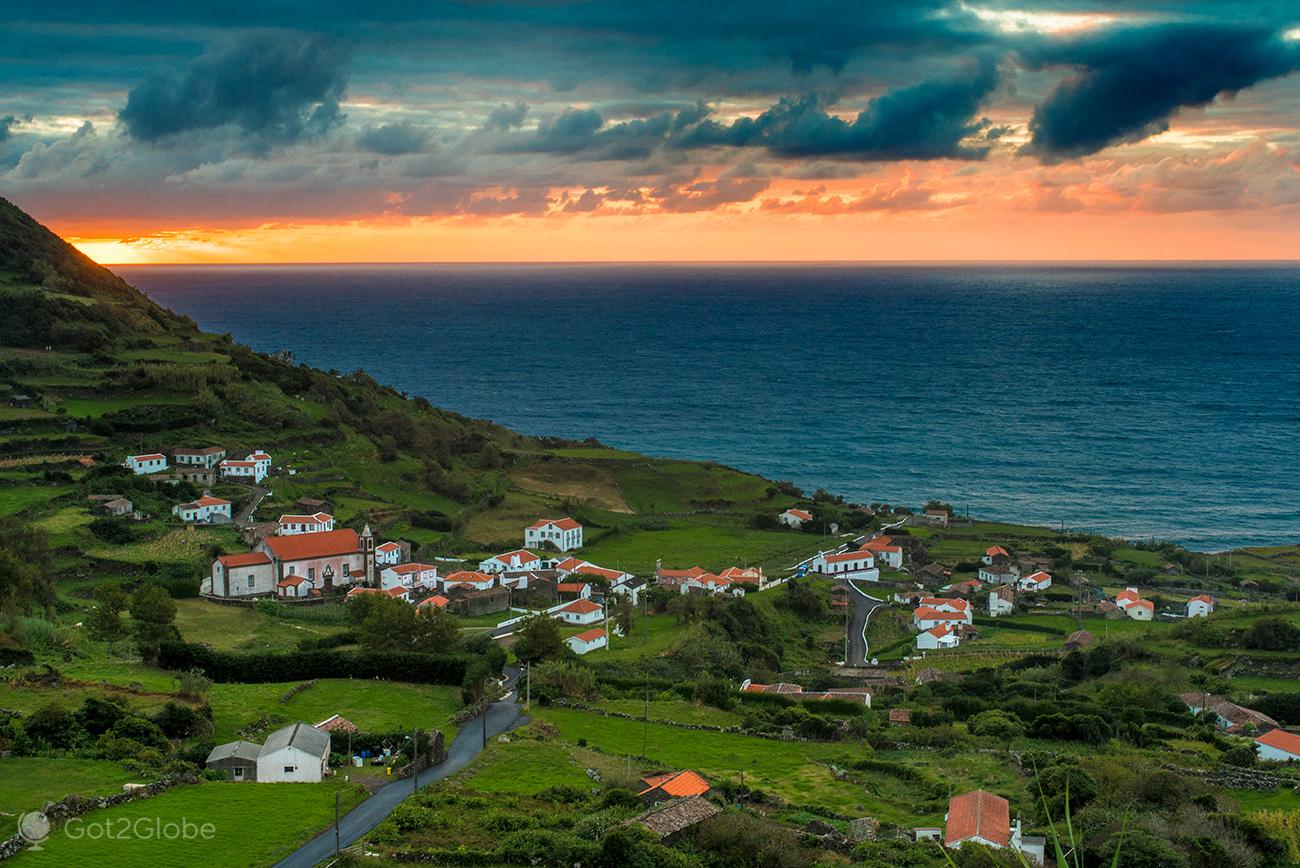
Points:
[[801, 514], [1143, 604], [996, 551], [209, 500], [522, 555], [387, 547], [940, 630], [470, 577], [978, 814], [570, 587], [1282, 740], [247, 559], [303, 546], [260, 456], [1127, 596], [1204, 598], [692, 573], [925, 613], [945, 601], [320, 517], [397, 591], [1038, 577], [581, 607], [404, 569], [782, 687], [148, 456], [677, 784], [356, 592], [590, 635], [436, 600], [592, 570], [847, 556], [742, 574], [290, 582], [238, 463], [880, 544], [561, 523]]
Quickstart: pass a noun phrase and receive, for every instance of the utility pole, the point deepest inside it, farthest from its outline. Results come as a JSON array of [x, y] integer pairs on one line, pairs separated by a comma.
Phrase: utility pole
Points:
[[337, 796]]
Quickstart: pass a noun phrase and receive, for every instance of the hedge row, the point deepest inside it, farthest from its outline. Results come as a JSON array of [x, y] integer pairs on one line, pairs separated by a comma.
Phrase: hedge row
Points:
[[228, 667], [1029, 628]]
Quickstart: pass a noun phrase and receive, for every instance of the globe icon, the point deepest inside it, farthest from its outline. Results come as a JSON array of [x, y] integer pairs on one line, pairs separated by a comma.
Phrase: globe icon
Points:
[[34, 826]]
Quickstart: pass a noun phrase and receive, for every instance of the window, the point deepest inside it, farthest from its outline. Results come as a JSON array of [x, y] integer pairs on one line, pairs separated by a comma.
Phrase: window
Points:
[[250, 581], [238, 773], [311, 572], [346, 571], [288, 770]]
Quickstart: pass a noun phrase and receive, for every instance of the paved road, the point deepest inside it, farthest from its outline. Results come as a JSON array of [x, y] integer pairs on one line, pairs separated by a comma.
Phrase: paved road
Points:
[[245, 515], [863, 605], [502, 716]]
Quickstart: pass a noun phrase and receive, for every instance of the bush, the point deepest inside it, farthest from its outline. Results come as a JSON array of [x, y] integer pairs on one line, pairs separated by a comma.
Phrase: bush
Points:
[[1272, 634], [227, 667], [998, 724], [1243, 756]]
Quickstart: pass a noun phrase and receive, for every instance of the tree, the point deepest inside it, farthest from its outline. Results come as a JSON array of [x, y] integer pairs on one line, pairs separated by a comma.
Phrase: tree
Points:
[[153, 613], [434, 631], [539, 639], [1272, 634], [706, 648], [105, 621], [26, 568], [624, 616]]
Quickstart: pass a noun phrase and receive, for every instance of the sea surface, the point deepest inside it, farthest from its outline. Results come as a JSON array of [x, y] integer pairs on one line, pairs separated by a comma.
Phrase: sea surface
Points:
[[1137, 401]]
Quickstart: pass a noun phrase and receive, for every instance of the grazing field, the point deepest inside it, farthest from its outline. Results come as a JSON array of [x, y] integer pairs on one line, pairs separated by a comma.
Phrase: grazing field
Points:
[[586, 482], [236, 628], [524, 767], [27, 783], [713, 547], [252, 824]]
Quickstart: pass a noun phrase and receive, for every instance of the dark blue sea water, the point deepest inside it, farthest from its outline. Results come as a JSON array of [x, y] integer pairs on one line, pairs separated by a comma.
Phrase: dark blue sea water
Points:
[[1137, 401]]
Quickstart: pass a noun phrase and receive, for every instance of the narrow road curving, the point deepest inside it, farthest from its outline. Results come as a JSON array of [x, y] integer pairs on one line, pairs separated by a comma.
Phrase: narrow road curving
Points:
[[863, 606], [502, 716]]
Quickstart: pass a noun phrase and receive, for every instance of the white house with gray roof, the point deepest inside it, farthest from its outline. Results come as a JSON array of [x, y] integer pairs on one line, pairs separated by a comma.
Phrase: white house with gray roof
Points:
[[297, 753]]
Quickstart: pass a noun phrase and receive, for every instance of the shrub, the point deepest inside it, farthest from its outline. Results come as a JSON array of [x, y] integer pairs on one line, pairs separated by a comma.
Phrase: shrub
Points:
[[998, 724], [226, 667]]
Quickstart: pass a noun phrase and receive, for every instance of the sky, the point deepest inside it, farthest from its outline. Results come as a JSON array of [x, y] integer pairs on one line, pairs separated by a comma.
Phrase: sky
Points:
[[730, 130]]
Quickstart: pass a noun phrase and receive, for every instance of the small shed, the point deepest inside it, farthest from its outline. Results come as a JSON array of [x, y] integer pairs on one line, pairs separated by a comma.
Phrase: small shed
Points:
[[237, 758], [677, 816]]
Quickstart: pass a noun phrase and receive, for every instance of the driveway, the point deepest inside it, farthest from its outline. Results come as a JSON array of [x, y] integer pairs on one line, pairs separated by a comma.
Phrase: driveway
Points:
[[502, 716], [863, 606]]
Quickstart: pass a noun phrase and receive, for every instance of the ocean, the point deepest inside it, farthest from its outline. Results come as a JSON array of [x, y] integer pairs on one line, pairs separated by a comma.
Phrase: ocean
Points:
[[1138, 401]]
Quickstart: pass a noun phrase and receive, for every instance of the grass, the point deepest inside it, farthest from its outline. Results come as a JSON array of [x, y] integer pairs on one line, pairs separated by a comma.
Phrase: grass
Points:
[[374, 706], [235, 628], [650, 636], [679, 486], [711, 546], [524, 767], [677, 711], [16, 498], [27, 783], [253, 824], [586, 482]]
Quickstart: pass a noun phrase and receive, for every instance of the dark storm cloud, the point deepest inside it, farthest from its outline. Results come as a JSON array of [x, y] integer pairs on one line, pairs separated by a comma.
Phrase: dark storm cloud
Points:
[[6, 123], [506, 117], [393, 139], [1131, 81], [275, 88]]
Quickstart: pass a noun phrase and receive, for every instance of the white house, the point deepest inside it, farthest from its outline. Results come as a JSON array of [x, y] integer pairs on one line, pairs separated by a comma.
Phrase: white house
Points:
[[515, 561], [207, 457], [297, 753], [711, 583], [242, 471], [205, 510], [576, 566], [795, 518], [1200, 606], [630, 587], [1278, 745], [409, 576], [262, 460], [982, 818], [578, 590], [1039, 581], [586, 641], [853, 565], [561, 534], [941, 636], [315, 523], [389, 553], [579, 612], [1127, 597], [999, 574], [150, 462], [886, 551], [935, 611], [1002, 601], [955, 605], [473, 580], [1141, 610]]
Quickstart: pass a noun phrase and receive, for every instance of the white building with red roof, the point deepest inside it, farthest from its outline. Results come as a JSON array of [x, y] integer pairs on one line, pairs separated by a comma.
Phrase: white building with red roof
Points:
[[316, 523], [243, 575], [204, 510], [579, 612], [329, 559], [711, 583], [1132, 604], [795, 518], [389, 553], [241, 471], [560, 534], [676, 578], [1278, 745], [886, 551], [438, 601], [422, 576], [980, 817], [935, 611], [849, 565], [515, 561], [1200, 606], [1039, 581], [937, 637], [573, 590], [262, 460], [149, 462], [470, 579], [588, 640], [995, 554]]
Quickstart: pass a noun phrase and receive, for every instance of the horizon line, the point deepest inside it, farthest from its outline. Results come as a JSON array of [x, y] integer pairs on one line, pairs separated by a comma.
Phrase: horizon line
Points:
[[749, 262]]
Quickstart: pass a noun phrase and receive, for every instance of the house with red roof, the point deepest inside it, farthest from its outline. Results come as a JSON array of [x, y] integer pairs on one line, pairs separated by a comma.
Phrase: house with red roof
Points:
[[327, 560], [573, 590], [204, 510], [249, 574], [517, 560], [1278, 745], [467, 579], [674, 785], [588, 640], [995, 554], [576, 566], [886, 551], [848, 565], [558, 534], [783, 688], [1039, 581], [438, 601], [1131, 604], [676, 578], [316, 523], [413, 576], [795, 518], [962, 589], [980, 817], [150, 462], [938, 637], [579, 612], [1200, 606], [389, 553], [241, 471], [751, 576]]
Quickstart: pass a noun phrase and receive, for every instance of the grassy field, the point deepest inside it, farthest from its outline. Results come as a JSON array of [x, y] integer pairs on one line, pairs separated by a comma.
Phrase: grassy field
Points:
[[711, 546], [524, 767], [252, 825], [232, 628], [27, 783], [374, 706]]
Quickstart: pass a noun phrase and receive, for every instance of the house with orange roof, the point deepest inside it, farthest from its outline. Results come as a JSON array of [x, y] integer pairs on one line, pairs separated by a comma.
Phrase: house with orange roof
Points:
[[517, 560], [1200, 606], [995, 554], [885, 550], [848, 565], [241, 471], [588, 640], [1141, 610], [438, 601], [675, 578], [979, 817], [674, 785], [389, 553], [783, 688], [795, 518], [558, 534], [294, 587], [319, 522], [1039, 581], [149, 462], [950, 604], [937, 637], [573, 590], [751, 576], [469, 579], [325, 560], [1278, 745], [204, 510], [963, 588], [579, 612], [576, 566], [1127, 597], [413, 575], [243, 575]]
